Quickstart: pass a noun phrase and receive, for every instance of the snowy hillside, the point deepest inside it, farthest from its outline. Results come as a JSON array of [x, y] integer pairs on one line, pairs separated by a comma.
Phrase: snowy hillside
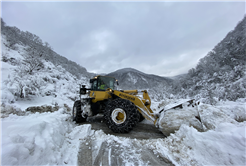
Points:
[[133, 79], [45, 82], [129, 78], [15, 37], [221, 74]]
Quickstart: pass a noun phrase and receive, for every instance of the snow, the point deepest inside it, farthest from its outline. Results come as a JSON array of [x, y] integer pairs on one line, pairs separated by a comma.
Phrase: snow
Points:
[[132, 78], [41, 139], [223, 146], [6, 95], [52, 138], [36, 101], [171, 120]]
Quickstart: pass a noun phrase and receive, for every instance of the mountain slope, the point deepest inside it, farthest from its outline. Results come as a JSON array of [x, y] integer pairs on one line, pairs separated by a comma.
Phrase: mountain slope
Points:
[[221, 74], [133, 79], [34, 43], [31, 70], [158, 87]]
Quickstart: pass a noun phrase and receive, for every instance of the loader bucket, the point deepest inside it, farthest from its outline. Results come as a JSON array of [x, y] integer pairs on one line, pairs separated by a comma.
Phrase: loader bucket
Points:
[[177, 104], [172, 116]]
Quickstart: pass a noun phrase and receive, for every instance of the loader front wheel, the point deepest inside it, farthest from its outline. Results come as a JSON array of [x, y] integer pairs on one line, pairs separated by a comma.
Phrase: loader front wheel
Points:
[[77, 117], [121, 115]]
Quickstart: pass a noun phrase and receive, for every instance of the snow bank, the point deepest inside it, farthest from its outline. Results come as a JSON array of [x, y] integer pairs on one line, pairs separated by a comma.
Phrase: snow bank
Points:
[[230, 112], [7, 96], [204, 117], [170, 119], [41, 139], [222, 143], [235, 110], [212, 116], [6, 91], [223, 146]]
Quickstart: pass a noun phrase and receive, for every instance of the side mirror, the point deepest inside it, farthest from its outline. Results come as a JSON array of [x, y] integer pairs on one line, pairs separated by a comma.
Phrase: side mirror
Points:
[[83, 90], [117, 82]]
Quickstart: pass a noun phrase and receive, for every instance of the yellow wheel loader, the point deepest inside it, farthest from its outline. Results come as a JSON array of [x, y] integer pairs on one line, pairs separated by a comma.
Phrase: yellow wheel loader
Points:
[[122, 109]]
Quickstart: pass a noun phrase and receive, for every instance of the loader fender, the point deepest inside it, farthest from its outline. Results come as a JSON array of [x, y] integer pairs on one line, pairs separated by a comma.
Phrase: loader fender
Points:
[[146, 112]]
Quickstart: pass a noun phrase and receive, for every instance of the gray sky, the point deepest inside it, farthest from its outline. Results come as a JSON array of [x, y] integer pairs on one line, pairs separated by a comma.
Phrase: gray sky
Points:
[[162, 38]]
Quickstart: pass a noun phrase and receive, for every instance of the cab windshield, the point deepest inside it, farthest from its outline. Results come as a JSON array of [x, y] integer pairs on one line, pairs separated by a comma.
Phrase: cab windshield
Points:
[[103, 83]]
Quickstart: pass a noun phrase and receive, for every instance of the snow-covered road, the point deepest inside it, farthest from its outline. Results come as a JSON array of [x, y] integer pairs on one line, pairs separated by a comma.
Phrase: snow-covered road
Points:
[[143, 130], [103, 149], [54, 139]]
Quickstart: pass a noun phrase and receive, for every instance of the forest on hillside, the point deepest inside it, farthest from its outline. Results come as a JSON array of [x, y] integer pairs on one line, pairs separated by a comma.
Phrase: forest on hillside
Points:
[[38, 49], [220, 75]]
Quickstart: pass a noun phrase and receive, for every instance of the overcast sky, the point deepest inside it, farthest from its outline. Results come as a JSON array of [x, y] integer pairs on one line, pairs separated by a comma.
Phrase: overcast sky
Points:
[[162, 38]]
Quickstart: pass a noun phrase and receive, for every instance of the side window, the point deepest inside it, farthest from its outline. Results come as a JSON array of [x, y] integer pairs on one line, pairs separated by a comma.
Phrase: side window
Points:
[[111, 84], [94, 85]]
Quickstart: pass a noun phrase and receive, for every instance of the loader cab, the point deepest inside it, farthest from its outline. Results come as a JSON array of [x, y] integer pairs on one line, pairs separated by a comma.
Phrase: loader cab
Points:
[[101, 83]]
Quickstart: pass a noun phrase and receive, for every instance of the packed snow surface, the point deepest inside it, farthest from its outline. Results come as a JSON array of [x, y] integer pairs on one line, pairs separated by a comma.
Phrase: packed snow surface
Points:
[[54, 139]]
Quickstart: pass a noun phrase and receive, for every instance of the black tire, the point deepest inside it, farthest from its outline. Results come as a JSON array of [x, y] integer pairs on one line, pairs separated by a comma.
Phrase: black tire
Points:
[[77, 117], [130, 112], [141, 117]]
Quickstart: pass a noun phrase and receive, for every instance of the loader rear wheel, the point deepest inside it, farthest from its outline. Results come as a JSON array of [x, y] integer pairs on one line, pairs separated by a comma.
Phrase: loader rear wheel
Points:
[[77, 117], [121, 115]]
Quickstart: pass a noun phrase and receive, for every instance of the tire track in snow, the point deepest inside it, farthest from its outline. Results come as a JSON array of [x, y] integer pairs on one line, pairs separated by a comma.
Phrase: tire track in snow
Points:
[[118, 152], [107, 148]]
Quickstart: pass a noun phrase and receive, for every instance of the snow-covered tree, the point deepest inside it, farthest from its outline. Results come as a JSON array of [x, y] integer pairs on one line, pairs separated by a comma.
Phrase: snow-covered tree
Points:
[[32, 61]]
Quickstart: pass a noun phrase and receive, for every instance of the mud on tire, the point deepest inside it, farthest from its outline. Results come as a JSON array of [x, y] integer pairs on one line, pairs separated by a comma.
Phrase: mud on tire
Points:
[[130, 112], [77, 117]]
